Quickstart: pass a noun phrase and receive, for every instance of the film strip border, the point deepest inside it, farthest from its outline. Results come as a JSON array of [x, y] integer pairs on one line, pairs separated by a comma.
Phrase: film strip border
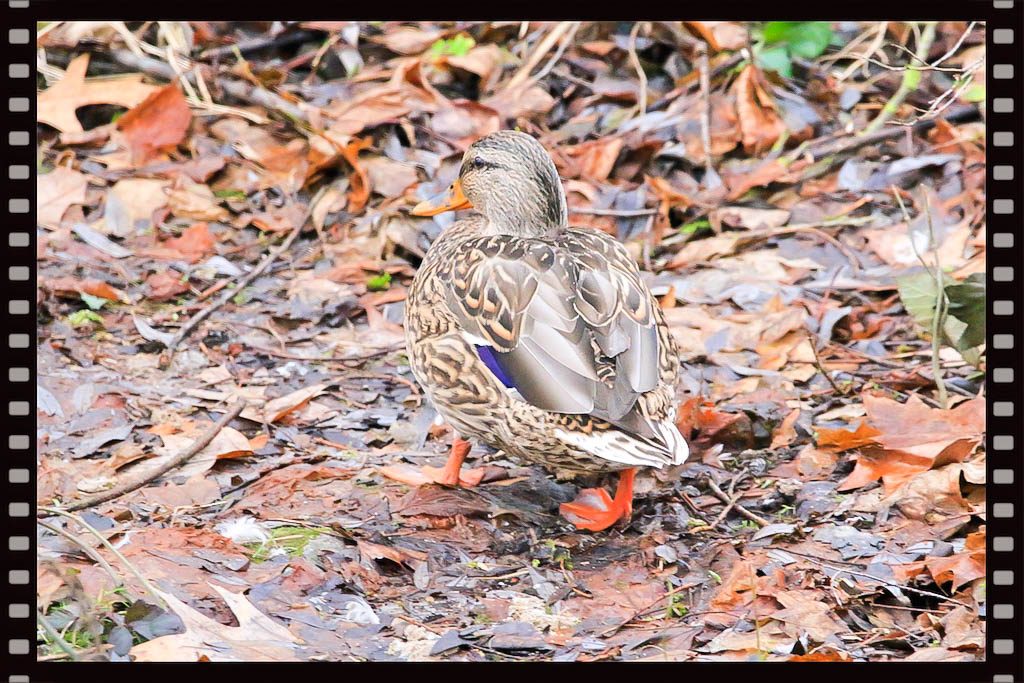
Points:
[[1005, 332], [1005, 270], [19, 340], [1006, 110]]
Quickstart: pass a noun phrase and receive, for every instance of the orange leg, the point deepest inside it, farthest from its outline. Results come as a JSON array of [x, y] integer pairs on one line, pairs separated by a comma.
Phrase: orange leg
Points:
[[595, 510], [451, 474]]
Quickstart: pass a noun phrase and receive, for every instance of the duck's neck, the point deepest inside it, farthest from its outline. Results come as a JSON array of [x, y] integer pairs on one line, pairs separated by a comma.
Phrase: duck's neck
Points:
[[538, 211]]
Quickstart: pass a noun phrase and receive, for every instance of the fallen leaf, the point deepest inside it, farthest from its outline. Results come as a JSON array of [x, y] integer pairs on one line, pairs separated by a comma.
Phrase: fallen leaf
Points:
[[760, 123], [130, 206], [844, 440], [785, 433], [194, 243], [279, 407], [189, 199], [164, 285], [720, 35], [156, 125], [56, 191], [56, 105], [914, 438], [71, 287], [256, 638]]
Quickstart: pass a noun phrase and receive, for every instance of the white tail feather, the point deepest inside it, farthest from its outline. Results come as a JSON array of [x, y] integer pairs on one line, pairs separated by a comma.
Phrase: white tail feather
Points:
[[619, 447]]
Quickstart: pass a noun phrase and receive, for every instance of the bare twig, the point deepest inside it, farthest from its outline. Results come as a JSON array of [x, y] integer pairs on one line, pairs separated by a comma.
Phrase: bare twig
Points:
[[884, 582], [939, 313], [56, 637], [558, 53], [280, 40], [129, 484], [545, 45], [722, 496], [638, 67], [911, 80], [109, 546], [860, 60], [705, 96], [88, 550], [625, 213], [269, 259]]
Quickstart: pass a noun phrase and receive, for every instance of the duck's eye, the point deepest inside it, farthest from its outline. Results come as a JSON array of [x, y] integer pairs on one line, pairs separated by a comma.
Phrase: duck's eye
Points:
[[479, 163]]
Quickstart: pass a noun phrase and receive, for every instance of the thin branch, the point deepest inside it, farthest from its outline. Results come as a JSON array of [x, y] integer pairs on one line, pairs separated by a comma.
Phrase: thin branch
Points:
[[131, 483], [722, 496], [109, 546], [911, 80], [269, 259], [545, 45], [88, 550], [56, 637], [641, 76]]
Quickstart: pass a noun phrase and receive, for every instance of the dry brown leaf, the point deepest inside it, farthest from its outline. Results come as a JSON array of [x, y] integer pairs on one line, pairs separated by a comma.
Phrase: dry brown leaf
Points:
[[805, 611], [56, 105], [157, 125], [844, 440], [760, 123], [482, 60], [193, 200], [165, 285], [720, 35], [55, 192], [465, 121], [71, 287], [256, 638], [914, 438], [389, 178], [746, 217], [407, 40], [229, 443], [521, 101], [785, 433], [595, 159], [279, 407], [930, 495], [130, 206]]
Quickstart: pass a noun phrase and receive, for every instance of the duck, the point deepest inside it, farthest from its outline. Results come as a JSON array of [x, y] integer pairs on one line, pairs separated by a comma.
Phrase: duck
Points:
[[539, 339]]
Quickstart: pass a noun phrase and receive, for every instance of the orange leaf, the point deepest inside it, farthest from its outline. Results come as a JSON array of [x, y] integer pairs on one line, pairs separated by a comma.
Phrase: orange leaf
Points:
[[158, 124], [56, 105], [359, 181], [72, 287], [760, 123], [194, 243], [785, 433], [845, 440]]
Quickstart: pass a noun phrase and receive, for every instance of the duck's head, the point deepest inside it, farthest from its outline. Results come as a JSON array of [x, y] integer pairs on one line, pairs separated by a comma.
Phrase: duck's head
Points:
[[509, 178]]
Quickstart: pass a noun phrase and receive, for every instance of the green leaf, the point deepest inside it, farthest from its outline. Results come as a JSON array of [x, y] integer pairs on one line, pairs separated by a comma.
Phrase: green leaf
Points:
[[807, 39], [695, 226], [378, 283], [964, 326], [974, 93], [229, 194], [84, 317], [776, 59], [917, 292], [93, 302], [967, 304], [456, 46]]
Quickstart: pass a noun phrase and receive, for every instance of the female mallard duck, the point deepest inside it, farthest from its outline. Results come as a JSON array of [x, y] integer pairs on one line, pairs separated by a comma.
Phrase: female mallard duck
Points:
[[537, 338]]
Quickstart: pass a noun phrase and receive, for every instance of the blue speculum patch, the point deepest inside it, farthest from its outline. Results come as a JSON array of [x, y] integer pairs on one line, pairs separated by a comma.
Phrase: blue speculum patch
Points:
[[486, 354]]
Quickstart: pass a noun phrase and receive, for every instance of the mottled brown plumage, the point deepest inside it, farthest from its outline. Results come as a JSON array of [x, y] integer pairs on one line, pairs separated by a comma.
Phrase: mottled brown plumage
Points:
[[563, 310], [539, 339]]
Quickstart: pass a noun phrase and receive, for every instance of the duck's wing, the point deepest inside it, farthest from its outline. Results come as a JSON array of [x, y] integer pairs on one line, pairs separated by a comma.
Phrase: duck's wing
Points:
[[567, 322]]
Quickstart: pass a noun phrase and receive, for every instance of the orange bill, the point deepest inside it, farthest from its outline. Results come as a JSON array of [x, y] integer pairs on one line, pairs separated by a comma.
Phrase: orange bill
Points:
[[449, 200]]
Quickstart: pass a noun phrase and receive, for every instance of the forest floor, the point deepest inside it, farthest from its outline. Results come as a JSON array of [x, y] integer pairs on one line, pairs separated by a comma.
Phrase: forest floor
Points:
[[793, 214]]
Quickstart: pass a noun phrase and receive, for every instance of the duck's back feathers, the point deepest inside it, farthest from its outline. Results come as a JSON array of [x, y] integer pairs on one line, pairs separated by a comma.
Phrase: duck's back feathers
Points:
[[567, 324]]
